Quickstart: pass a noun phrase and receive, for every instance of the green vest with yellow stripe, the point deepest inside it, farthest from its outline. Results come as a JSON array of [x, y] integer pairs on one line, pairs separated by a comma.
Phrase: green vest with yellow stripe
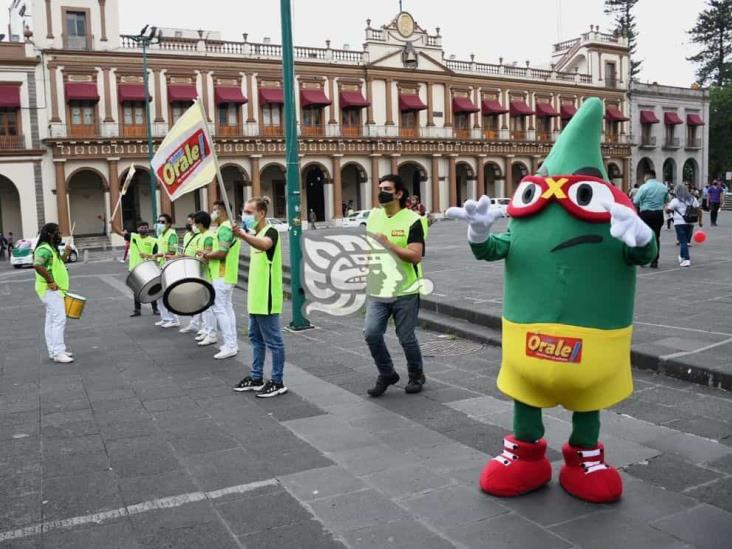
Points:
[[139, 245], [58, 271], [228, 268], [264, 287]]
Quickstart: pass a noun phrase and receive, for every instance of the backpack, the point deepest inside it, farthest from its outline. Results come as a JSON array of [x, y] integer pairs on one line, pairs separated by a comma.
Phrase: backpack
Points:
[[691, 214]]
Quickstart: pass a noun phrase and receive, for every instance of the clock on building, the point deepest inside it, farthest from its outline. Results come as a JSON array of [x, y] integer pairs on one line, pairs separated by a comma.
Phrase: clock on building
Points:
[[405, 24]]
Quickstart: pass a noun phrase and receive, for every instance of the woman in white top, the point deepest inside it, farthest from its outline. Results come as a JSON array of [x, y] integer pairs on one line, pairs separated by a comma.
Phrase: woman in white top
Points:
[[684, 227]]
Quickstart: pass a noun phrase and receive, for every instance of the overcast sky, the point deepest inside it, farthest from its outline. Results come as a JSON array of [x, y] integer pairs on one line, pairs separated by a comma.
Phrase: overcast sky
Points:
[[515, 29]]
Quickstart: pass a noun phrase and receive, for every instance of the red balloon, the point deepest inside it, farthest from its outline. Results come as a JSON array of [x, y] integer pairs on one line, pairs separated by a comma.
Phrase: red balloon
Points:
[[699, 237]]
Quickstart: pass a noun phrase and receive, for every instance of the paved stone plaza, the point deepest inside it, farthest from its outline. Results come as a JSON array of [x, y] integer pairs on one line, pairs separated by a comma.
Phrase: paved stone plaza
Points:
[[142, 443]]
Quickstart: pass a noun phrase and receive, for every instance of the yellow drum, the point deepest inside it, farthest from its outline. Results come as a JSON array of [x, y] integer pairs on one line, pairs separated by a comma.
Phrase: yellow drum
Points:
[[74, 305]]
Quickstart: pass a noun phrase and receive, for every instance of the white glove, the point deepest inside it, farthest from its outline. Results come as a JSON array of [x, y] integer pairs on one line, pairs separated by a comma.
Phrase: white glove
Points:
[[625, 225], [480, 216]]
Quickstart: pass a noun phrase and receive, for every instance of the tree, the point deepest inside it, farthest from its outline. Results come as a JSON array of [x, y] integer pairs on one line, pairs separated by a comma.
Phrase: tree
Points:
[[713, 33], [720, 131], [622, 11]]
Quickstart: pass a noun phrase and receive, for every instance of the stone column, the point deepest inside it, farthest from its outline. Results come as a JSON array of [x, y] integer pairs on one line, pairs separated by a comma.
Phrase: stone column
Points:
[[61, 204], [626, 175], [158, 96], [389, 105], [337, 187], [250, 96], [509, 174], [448, 107], [103, 14], [256, 182], [453, 181], [113, 178], [375, 179], [332, 97], [370, 98], [166, 205], [430, 106], [477, 115], [107, 96], [204, 94], [480, 183], [435, 206], [394, 163], [49, 21], [52, 78]]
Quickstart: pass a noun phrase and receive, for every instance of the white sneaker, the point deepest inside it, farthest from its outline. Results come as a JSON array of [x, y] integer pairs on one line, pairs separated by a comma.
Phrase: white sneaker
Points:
[[188, 329], [67, 353], [681, 260], [225, 353], [160, 322], [208, 340], [201, 336], [170, 324], [686, 263], [63, 358], [201, 333]]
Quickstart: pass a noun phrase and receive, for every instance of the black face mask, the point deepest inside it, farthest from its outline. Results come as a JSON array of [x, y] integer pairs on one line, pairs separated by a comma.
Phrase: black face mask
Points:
[[57, 239], [385, 197], [189, 227]]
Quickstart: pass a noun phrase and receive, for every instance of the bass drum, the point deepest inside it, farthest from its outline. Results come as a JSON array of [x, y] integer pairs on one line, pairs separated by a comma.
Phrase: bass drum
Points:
[[185, 291], [144, 281]]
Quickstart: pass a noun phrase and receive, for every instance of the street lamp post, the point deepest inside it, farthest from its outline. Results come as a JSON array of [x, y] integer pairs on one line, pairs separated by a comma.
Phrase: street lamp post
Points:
[[144, 39]]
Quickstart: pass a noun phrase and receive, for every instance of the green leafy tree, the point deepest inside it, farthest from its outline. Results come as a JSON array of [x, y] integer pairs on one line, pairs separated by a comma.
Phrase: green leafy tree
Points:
[[713, 34], [720, 131], [622, 12]]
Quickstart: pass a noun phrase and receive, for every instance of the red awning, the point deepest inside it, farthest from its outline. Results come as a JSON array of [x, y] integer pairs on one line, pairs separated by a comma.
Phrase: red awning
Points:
[[545, 110], [351, 99], [567, 111], [81, 91], [181, 93], [493, 106], [463, 105], [410, 102], [671, 119], [229, 94], [271, 95], [694, 120], [314, 98], [520, 108], [648, 117], [10, 97], [131, 92], [614, 114]]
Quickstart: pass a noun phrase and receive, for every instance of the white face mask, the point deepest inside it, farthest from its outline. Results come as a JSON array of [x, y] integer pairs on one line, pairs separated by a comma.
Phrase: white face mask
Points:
[[214, 215], [196, 230]]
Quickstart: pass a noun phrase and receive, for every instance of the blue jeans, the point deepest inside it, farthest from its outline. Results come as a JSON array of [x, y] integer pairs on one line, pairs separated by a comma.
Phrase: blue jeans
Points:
[[265, 333], [404, 310], [683, 235]]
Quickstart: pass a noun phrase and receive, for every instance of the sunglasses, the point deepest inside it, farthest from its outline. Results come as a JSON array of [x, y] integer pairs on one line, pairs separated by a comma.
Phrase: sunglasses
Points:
[[583, 196]]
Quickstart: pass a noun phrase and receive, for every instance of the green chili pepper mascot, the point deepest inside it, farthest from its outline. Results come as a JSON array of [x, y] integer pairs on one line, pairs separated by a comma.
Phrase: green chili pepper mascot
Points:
[[571, 251]]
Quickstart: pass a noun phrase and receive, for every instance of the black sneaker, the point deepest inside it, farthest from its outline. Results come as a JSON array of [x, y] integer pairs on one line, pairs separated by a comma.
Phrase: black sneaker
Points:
[[156, 312], [654, 264], [382, 383], [135, 313], [249, 384], [415, 383], [272, 389]]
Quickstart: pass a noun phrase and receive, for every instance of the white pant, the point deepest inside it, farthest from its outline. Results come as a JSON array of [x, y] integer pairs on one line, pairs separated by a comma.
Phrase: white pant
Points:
[[55, 322], [165, 314], [197, 321], [223, 309], [208, 321]]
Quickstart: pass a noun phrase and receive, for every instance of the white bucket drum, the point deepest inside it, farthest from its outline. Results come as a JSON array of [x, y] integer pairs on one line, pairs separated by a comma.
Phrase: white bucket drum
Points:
[[144, 281], [185, 291]]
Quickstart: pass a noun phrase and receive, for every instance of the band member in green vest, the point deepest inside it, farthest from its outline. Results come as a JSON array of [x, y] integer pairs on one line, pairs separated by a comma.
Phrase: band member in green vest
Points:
[[394, 291], [204, 243], [167, 249], [142, 247], [264, 299], [190, 239], [52, 283], [223, 262]]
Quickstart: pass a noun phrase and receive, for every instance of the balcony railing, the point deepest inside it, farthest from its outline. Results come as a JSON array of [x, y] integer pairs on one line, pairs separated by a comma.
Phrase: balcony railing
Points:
[[671, 143], [269, 130], [351, 131], [312, 130], [408, 132], [694, 143], [73, 42], [84, 130], [462, 133], [543, 136], [134, 131], [519, 135], [648, 141], [12, 142]]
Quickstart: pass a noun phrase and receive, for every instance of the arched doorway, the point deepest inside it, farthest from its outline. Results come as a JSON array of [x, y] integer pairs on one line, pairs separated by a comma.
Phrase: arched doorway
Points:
[[353, 175], [235, 178], [314, 177], [492, 174], [669, 171], [87, 207], [645, 166], [615, 175], [136, 203], [465, 176], [690, 172], [519, 170], [11, 220], [413, 175], [272, 184]]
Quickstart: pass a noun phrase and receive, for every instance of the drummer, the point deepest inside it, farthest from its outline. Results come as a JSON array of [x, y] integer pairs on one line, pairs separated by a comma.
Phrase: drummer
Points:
[[52, 283], [204, 244], [142, 247], [223, 262], [167, 249], [190, 240]]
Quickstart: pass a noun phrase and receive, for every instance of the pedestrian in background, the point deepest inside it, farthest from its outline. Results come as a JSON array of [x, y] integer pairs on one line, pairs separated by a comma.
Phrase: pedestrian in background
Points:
[[715, 196], [3, 245], [650, 200], [312, 218], [685, 210]]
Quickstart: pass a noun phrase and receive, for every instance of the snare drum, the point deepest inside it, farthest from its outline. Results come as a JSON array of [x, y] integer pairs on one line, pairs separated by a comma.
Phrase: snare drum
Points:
[[144, 281], [74, 305], [185, 291]]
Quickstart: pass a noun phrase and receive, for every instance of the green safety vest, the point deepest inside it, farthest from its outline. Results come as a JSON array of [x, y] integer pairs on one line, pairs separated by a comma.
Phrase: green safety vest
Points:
[[139, 245], [189, 243], [163, 244], [58, 272], [198, 246], [228, 268], [395, 277], [264, 289]]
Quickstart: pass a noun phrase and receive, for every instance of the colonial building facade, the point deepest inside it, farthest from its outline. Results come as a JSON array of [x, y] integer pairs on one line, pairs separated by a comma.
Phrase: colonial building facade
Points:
[[454, 129]]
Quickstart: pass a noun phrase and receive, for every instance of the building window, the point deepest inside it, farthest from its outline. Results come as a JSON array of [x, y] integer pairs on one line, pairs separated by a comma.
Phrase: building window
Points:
[[671, 135], [228, 118], [133, 118], [461, 122], [692, 141], [490, 126], [408, 121], [9, 131], [611, 75], [177, 109], [647, 135], [76, 30], [312, 121], [612, 131], [518, 127], [83, 118], [351, 122], [544, 128], [272, 119]]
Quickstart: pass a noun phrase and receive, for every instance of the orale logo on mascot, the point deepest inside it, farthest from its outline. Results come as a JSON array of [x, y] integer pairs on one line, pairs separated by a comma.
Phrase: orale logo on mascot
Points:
[[558, 349]]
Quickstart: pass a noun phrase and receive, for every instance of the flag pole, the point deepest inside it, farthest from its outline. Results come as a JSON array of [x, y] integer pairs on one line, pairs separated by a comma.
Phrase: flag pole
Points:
[[219, 178]]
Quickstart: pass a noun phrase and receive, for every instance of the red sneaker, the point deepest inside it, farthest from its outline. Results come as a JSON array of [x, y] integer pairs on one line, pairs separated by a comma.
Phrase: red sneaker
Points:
[[521, 468], [586, 476]]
